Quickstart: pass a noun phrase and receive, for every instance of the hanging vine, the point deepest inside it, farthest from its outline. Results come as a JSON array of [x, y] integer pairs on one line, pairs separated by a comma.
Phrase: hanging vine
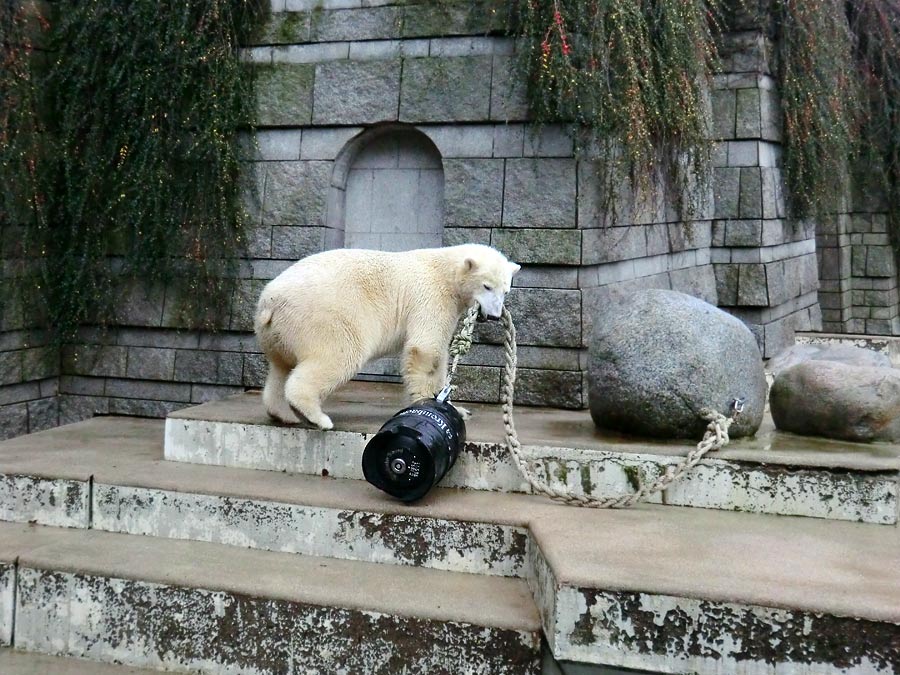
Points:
[[839, 72], [628, 76], [128, 170]]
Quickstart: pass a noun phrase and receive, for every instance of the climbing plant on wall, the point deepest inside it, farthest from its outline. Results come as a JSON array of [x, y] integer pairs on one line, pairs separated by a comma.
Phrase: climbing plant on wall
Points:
[[126, 156], [630, 78], [839, 73]]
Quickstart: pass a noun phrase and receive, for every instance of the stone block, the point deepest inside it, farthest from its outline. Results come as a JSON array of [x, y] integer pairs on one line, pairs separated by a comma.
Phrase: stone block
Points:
[[769, 196], [278, 144], [10, 367], [13, 420], [473, 192], [699, 282], [252, 183], [692, 235], [611, 244], [545, 276], [296, 242], [86, 386], [255, 369], [543, 247], [857, 262], [150, 363], [445, 89], [547, 317], [243, 306], [196, 366], [880, 261], [231, 368], [723, 113], [726, 192], [509, 100], [478, 383], [509, 140], [39, 363], [95, 360], [540, 193], [727, 284], [143, 408], [356, 92], [365, 23], [326, 143], [284, 94], [549, 141], [809, 273], [454, 236], [74, 408], [743, 153], [747, 118], [770, 115], [556, 388], [743, 232], [751, 193], [473, 140], [452, 18], [296, 193], [286, 28], [780, 288], [752, 288], [657, 239], [775, 232], [259, 242], [154, 391], [201, 393]]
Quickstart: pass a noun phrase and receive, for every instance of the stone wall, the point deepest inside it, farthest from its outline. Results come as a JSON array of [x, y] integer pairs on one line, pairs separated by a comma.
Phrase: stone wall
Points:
[[342, 82], [29, 365]]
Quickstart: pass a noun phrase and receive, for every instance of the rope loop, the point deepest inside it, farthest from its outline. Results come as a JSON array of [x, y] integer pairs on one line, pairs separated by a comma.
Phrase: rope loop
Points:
[[715, 437]]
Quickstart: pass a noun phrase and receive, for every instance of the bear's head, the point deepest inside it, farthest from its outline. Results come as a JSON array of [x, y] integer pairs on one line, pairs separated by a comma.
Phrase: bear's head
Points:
[[486, 279]]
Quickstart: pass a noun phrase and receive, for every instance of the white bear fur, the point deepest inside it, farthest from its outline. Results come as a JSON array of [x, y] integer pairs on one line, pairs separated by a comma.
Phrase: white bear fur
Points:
[[323, 318]]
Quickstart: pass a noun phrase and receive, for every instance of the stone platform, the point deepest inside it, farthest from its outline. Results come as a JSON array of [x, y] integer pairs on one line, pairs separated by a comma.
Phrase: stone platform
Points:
[[774, 472], [112, 535]]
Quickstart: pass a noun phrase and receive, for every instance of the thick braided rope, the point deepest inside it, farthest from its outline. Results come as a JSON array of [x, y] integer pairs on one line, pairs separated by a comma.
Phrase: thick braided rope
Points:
[[716, 435]]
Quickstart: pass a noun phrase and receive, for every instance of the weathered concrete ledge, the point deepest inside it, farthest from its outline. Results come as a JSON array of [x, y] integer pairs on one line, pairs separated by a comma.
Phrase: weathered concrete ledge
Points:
[[595, 575], [772, 473], [14, 662], [186, 605]]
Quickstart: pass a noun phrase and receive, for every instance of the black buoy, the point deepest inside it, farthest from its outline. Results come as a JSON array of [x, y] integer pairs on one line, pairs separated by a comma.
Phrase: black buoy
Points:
[[415, 449]]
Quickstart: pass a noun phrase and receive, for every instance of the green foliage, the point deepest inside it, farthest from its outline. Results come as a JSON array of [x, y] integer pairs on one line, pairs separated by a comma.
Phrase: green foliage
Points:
[[839, 71], [129, 169], [628, 74]]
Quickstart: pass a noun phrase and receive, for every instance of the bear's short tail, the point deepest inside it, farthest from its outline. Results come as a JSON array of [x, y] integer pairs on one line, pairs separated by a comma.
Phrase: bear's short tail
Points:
[[264, 318]]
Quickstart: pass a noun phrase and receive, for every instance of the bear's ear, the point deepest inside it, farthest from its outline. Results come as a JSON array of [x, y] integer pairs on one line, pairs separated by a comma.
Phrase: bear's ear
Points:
[[513, 268], [469, 265]]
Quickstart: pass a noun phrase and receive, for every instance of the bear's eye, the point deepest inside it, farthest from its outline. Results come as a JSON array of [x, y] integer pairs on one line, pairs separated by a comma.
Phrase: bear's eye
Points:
[[488, 287]]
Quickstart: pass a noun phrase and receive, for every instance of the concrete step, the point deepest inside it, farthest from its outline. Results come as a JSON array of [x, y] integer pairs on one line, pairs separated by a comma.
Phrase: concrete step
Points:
[[658, 588], [774, 472], [13, 662], [187, 605]]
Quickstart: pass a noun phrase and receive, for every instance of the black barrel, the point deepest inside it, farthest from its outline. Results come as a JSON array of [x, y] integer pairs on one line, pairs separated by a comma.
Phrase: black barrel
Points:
[[414, 449]]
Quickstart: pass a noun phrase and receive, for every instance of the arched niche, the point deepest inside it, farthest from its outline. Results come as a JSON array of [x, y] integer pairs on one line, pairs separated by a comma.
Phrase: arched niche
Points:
[[387, 193]]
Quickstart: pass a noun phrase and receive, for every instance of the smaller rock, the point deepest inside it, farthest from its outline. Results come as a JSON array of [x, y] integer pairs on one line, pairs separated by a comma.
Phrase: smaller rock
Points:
[[836, 400], [846, 354]]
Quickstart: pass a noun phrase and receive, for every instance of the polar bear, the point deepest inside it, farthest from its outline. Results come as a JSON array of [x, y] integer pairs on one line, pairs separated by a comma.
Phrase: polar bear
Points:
[[323, 318]]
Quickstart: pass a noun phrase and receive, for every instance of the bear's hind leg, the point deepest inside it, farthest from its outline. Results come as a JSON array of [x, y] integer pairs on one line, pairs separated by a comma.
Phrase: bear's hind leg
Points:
[[273, 395], [424, 371], [308, 385]]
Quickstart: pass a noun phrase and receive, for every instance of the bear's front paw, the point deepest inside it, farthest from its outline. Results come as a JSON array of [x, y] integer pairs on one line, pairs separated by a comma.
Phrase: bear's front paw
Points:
[[463, 412]]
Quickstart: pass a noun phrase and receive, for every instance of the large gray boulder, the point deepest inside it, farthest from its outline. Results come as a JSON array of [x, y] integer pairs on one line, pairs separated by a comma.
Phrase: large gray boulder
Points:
[[836, 400], [846, 354], [660, 357]]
